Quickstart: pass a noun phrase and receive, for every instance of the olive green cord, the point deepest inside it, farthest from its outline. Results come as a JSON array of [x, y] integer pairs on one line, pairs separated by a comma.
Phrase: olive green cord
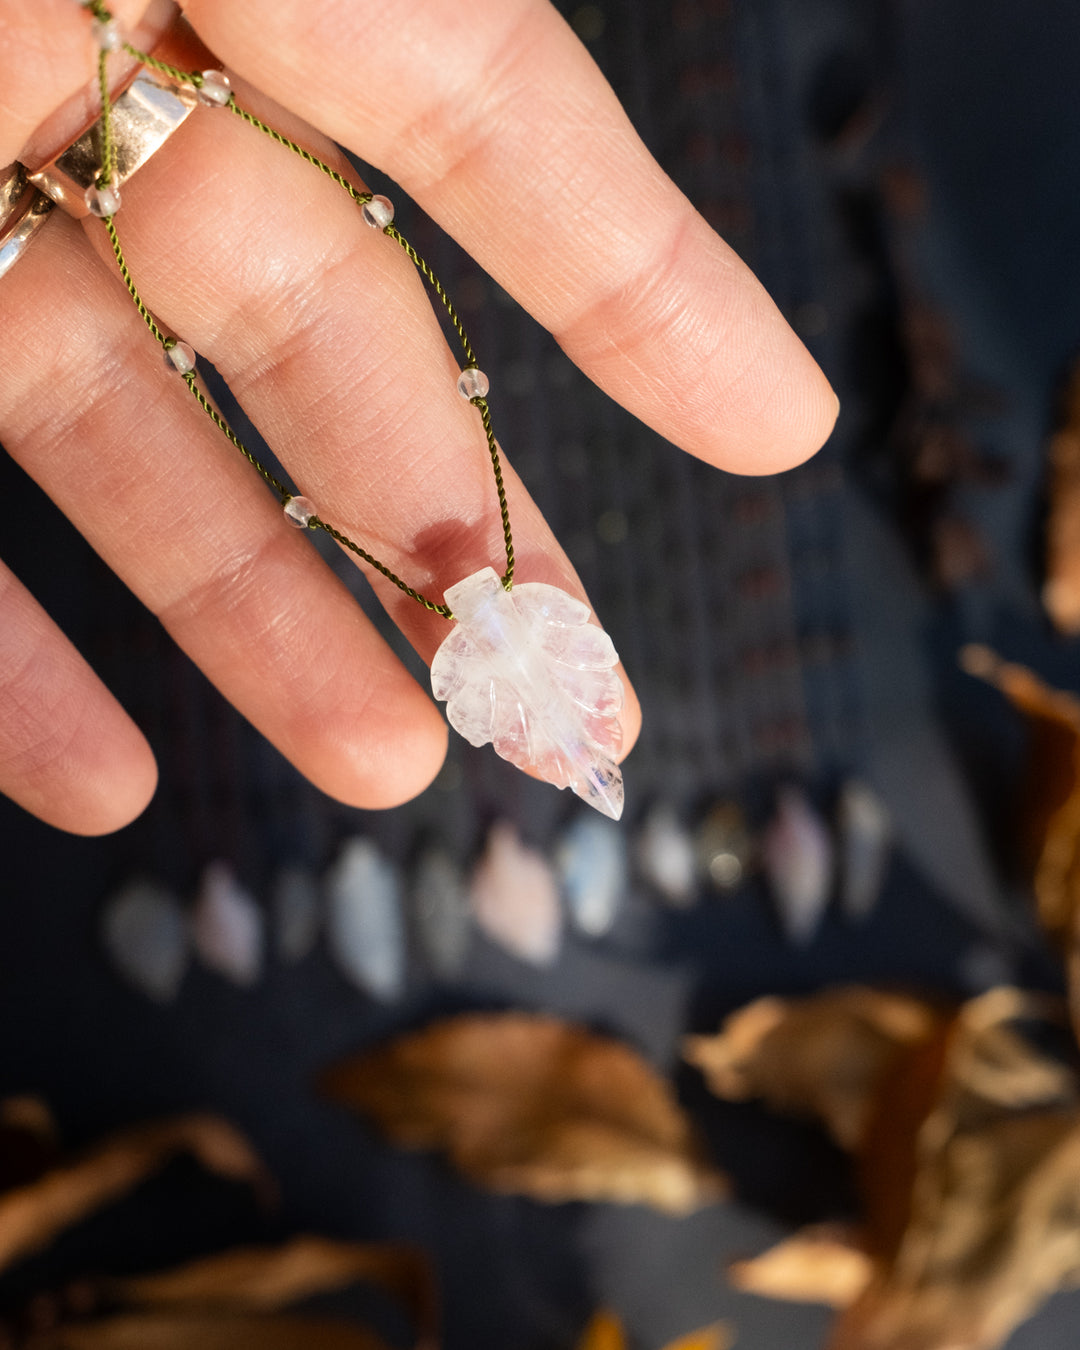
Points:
[[105, 177], [108, 152]]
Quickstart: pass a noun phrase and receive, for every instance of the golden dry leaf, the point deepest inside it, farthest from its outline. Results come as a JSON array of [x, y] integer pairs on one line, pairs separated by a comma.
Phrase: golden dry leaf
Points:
[[530, 1105], [995, 1230], [991, 1066], [817, 1265], [154, 1331], [718, 1336], [32, 1215], [29, 1141], [268, 1278], [823, 1056], [1061, 589], [1051, 827], [968, 1140], [30, 1115], [604, 1332], [990, 1221]]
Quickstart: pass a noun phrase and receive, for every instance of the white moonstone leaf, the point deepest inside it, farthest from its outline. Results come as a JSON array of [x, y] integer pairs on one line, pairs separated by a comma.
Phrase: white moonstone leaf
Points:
[[441, 911], [552, 606], [525, 670], [228, 927], [797, 857], [865, 843], [146, 935], [365, 929], [294, 909], [591, 860], [667, 857], [515, 898]]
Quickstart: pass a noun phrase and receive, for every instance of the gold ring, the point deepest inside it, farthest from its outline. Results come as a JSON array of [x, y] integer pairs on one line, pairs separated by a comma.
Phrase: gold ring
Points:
[[23, 210], [143, 118]]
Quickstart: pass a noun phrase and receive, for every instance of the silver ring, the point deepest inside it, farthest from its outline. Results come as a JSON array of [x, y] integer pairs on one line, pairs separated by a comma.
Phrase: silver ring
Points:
[[23, 211]]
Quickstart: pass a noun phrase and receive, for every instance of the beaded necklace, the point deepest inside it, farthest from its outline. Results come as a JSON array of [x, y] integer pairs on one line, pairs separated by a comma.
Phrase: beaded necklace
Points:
[[523, 668]]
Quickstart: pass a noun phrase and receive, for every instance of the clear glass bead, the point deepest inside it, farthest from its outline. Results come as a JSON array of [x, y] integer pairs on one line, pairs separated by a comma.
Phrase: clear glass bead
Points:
[[473, 383], [102, 201], [215, 90], [180, 357], [107, 35], [299, 510], [378, 213]]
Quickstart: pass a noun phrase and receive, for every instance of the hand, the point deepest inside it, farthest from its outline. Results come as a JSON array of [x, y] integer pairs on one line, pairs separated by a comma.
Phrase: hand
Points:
[[495, 120]]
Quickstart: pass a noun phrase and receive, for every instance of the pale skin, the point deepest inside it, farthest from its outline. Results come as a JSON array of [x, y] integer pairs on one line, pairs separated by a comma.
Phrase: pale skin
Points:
[[493, 117]]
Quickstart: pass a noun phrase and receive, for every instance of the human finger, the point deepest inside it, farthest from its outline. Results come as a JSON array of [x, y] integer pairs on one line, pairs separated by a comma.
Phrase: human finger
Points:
[[46, 54], [218, 278], [495, 119], [325, 333], [87, 410], [69, 753]]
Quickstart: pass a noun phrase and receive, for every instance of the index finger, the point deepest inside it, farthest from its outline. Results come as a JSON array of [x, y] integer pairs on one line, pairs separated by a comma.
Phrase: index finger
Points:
[[495, 119]]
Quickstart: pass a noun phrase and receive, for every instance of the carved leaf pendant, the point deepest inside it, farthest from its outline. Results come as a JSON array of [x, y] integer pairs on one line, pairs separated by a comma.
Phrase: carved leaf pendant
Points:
[[525, 670]]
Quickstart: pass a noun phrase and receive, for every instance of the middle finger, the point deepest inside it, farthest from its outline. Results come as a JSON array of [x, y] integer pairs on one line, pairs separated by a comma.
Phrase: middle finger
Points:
[[324, 331]]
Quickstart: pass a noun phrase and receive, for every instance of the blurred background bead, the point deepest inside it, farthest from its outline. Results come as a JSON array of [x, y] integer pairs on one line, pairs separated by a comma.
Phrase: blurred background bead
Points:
[[145, 934], [294, 909], [724, 846], [591, 861], [441, 912], [364, 926], [665, 854], [865, 828], [797, 857], [515, 899], [227, 926]]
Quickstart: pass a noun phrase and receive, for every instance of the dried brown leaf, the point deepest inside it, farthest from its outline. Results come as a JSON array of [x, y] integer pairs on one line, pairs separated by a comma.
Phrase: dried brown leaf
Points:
[[817, 1265], [32, 1215], [269, 1278], [823, 1056], [530, 1105], [155, 1331]]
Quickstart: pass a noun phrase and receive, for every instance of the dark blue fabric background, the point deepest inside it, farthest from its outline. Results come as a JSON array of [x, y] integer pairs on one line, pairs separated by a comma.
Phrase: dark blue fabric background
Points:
[[849, 667]]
